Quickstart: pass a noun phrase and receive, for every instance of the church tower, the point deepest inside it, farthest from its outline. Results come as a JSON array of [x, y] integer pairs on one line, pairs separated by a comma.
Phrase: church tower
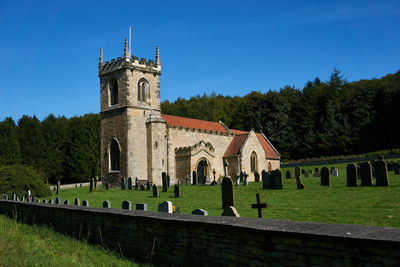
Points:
[[132, 130]]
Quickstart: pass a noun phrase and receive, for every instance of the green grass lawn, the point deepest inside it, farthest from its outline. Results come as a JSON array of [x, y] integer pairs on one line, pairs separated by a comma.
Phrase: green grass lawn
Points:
[[334, 204], [24, 245]]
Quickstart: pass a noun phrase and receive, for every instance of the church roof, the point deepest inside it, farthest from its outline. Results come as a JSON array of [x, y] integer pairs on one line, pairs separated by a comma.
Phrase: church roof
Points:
[[235, 145], [193, 123], [270, 151]]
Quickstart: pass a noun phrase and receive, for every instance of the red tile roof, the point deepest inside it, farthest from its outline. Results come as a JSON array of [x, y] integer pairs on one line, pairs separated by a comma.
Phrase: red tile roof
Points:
[[193, 123], [238, 131], [235, 145], [269, 151]]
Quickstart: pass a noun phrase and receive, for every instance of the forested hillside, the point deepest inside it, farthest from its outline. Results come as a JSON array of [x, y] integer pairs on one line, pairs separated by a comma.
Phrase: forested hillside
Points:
[[324, 118]]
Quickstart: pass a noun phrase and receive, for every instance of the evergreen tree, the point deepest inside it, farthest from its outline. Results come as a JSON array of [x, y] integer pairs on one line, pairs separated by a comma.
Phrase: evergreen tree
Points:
[[9, 145]]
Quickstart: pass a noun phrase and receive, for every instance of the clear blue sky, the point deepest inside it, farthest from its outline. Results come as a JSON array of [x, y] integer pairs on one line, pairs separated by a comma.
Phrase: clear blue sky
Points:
[[49, 50]]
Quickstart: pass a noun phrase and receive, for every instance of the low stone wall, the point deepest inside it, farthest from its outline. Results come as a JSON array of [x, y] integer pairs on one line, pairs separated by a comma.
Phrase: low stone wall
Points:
[[183, 240]]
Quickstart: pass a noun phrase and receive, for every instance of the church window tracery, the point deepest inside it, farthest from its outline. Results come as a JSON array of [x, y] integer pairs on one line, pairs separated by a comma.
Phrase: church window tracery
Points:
[[253, 162], [143, 90], [114, 155]]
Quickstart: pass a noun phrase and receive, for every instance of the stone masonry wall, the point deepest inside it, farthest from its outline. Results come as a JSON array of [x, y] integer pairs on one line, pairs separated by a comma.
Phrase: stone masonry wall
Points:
[[193, 240]]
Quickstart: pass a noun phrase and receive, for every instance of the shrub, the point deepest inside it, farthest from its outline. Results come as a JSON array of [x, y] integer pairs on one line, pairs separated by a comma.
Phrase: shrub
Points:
[[18, 179]]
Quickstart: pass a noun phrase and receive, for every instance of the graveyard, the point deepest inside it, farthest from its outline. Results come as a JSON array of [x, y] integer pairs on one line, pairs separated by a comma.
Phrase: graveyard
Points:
[[334, 203]]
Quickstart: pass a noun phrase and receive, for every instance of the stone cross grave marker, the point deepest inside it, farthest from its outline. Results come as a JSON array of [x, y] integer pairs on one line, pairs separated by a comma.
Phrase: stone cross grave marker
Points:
[[366, 174], [194, 177], [136, 183], [256, 177], [381, 173], [200, 212], [155, 190], [130, 183], [288, 175], [230, 211], [227, 193], [126, 205], [164, 182], [296, 171], [141, 206], [165, 206], [177, 190], [85, 203], [259, 206], [325, 179], [245, 176], [351, 174], [77, 202], [148, 185], [299, 184], [106, 204], [122, 183]]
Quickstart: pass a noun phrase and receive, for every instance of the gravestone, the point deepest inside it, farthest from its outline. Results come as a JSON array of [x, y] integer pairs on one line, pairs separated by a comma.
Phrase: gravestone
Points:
[[237, 181], [85, 203], [44, 201], [288, 175], [351, 174], [316, 170], [276, 179], [23, 199], [303, 171], [123, 183], [334, 172], [91, 185], [164, 182], [126, 205], [366, 174], [296, 172], [266, 179], [166, 206], [307, 174], [230, 211], [325, 179], [194, 177], [155, 190], [168, 181], [66, 202], [58, 187], [259, 206], [256, 177], [142, 187], [390, 166], [245, 176], [316, 174], [148, 185], [51, 201], [227, 193], [95, 182], [130, 183], [34, 199], [141, 206], [58, 200], [396, 168], [187, 180], [77, 202], [200, 212], [299, 184], [136, 183], [14, 197], [177, 190], [106, 204], [241, 177], [381, 173]]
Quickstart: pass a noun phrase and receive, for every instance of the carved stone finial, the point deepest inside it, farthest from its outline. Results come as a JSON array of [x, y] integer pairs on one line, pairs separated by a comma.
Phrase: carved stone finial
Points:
[[126, 49], [158, 61], [101, 59]]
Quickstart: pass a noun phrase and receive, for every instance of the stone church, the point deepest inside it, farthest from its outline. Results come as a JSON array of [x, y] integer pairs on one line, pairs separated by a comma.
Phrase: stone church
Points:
[[137, 140]]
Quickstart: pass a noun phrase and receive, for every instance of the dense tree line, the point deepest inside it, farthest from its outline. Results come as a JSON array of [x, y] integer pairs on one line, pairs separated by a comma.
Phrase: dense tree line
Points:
[[58, 148], [325, 118]]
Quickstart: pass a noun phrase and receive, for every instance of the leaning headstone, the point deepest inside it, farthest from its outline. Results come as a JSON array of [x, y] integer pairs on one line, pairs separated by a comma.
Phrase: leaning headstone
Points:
[[126, 205], [237, 180], [168, 181], [106, 204], [155, 190], [351, 174], [230, 211], [296, 171], [166, 206], [58, 187], [227, 192], [299, 184], [141, 206], [381, 173], [77, 202], [276, 177], [130, 183], [200, 212], [325, 179], [288, 175], [66, 202], [123, 183], [245, 176], [148, 186], [85, 203], [164, 182], [194, 177], [256, 177], [177, 190], [366, 174], [58, 200]]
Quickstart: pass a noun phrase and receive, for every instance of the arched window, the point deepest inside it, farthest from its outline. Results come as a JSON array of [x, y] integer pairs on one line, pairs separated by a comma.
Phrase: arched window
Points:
[[114, 155], [113, 92], [253, 162], [143, 90]]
